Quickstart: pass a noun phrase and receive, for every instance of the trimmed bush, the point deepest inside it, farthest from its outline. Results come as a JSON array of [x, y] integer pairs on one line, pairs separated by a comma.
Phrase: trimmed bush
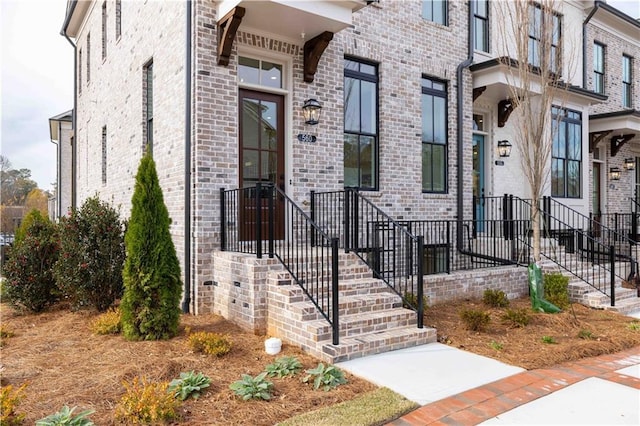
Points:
[[146, 403], [152, 285], [556, 289], [495, 298], [107, 323], [89, 269], [516, 317], [29, 270], [475, 320], [9, 400], [209, 343]]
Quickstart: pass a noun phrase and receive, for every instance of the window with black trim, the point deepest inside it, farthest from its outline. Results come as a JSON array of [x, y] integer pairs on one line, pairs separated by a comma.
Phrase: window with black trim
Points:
[[104, 30], [627, 67], [434, 135], [88, 57], [566, 153], [118, 19], [481, 21], [435, 11], [104, 154], [147, 90], [598, 67], [360, 124], [79, 71], [544, 38]]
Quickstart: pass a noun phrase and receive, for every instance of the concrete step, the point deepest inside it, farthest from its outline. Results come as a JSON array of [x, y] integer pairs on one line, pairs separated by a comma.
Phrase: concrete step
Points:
[[625, 306], [349, 305]]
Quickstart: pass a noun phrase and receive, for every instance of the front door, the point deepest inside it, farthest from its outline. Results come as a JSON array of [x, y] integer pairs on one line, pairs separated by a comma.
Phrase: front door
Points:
[[478, 180], [261, 161], [596, 198]]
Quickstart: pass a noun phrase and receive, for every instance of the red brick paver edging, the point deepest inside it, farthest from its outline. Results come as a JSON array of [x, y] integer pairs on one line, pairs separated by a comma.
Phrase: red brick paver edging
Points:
[[485, 402]]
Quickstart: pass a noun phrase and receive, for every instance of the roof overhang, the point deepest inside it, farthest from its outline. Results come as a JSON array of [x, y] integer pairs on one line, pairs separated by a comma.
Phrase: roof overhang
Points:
[[76, 12], [54, 123], [627, 121], [612, 18], [494, 78], [291, 19]]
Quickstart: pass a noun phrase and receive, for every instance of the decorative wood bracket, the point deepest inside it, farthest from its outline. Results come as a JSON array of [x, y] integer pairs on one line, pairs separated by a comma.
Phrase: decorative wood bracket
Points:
[[478, 91], [313, 50], [227, 28], [618, 141], [505, 108], [595, 138]]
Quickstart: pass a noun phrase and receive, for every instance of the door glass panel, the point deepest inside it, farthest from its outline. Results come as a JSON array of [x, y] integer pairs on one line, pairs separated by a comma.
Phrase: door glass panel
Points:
[[268, 125], [367, 161], [248, 70], [595, 197], [269, 166], [250, 167], [271, 75], [250, 114], [350, 160]]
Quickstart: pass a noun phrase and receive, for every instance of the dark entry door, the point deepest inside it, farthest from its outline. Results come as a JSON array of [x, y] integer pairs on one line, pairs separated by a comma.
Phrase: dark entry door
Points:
[[261, 160], [478, 181]]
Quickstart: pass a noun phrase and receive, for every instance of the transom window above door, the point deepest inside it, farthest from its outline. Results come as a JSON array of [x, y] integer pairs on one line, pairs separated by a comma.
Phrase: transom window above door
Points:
[[259, 72]]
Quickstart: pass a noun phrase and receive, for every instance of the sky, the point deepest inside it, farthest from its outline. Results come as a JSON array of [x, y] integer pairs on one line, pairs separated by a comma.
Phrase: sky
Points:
[[36, 80]]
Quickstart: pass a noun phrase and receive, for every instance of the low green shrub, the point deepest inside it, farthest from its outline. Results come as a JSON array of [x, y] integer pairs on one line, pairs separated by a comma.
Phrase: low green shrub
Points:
[[475, 320], [585, 335], [283, 367], [328, 377], [65, 417], [516, 317], [496, 345], [4, 334], [9, 400], [495, 298], [209, 343], [189, 384], [549, 340], [107, 323], [253, 387], [410, 300], [556, 289], [146, 403]]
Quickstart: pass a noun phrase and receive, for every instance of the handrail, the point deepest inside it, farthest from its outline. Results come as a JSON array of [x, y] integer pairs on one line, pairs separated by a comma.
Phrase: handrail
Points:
[[313, 267]]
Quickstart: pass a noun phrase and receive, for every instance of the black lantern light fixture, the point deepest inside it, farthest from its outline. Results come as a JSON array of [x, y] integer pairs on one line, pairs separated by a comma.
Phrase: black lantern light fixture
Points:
[[311, 111], [629, 163], [504, 148], [614, 173]]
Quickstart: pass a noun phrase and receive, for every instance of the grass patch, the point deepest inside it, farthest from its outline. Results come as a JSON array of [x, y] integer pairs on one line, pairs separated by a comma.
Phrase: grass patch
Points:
[[373, 408]]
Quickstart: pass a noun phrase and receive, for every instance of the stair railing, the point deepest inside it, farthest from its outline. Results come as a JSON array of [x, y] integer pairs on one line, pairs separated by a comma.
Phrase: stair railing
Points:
[[310, 255]]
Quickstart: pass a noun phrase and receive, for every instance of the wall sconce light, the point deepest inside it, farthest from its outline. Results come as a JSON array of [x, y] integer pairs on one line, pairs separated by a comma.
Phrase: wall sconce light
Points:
[[614, 173], [629, 163], [311, 111], [504, 148]]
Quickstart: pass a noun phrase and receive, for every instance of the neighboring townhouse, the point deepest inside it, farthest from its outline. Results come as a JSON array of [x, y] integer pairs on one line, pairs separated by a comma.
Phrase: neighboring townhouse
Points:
[[412, 109], [61, 134], [611, 67]]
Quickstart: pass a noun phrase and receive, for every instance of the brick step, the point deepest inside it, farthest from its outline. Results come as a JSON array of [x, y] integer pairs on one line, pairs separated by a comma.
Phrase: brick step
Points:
[[363, 323], [598, 299], [625, 306], [348, 271], [377, 342], [346, 288]]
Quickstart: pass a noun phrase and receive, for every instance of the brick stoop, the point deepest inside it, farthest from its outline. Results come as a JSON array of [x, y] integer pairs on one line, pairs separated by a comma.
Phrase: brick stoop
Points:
[[372, 319]]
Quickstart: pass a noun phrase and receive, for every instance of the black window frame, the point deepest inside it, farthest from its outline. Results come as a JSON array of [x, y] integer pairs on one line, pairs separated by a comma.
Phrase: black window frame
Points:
[[627, 85], [148, 105], [88, 53], [79, 71], [367, 77], [432, 3], [481, 21], [444, 95], [598, 73], [557, 60], [566, 116], [104, 30], [118, 19], [104, 155]]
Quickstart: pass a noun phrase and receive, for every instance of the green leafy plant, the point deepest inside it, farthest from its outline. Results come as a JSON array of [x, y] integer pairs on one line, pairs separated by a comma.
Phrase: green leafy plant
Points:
[[107, 323], [410, 300], [9, 400], [283, 367], [495, 345], [495, 298], [556, 289], [65, 417], [29, 280], [152, 278], [585, 334], [189, 384], [634, 326], [4, 334], [144, 403], [253, 387], [549, 340], [209, 343], [328, 377], [516, 317], [89, 268], [475, 320]]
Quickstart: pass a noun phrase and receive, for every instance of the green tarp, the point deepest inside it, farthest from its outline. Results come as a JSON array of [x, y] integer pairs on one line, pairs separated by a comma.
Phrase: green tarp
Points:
[[536, 292]]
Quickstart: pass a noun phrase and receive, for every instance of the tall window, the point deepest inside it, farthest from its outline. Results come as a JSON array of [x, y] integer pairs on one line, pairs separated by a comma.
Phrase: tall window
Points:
[[104, 154], [147, 90], [79, 71], [360, 124], [566, 153], [88, 57], [544, 39], [598, 67], [118, 19], [434, 135], [481, 21], [104, 30], [435, 10], [627, 63]]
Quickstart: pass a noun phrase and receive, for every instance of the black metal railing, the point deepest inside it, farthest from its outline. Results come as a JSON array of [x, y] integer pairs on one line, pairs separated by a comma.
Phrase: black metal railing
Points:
[[253, 217], [385, 245]]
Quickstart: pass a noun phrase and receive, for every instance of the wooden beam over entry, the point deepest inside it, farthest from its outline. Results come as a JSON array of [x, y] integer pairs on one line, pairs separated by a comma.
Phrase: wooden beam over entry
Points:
[[227, 28], [478, 91], [618, 141], [505, 108], [313, 50]]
